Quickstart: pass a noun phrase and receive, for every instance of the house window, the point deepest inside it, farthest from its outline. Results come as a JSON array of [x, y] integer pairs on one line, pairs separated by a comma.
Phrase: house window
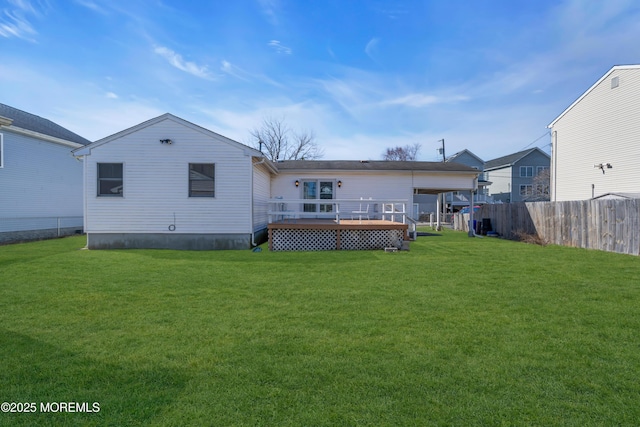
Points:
[[526, 190], [110, 181], [541, 169], [202, 180], [314, 190], [526, 171], [615, 82]]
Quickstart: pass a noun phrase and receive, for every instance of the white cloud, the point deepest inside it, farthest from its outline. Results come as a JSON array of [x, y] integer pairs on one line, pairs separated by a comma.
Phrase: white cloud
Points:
[[177, 61], [371, 47], [232, 70], [91, 5], [111, 95], [270, 8], [14, 21], [418, 100], [279, 47]]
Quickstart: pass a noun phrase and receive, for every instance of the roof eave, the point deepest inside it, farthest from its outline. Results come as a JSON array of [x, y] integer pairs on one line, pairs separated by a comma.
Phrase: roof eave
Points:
[[43, 136]]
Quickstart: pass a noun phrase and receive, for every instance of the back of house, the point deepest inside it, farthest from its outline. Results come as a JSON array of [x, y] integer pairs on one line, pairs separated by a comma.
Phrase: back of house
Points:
[[168, 183]]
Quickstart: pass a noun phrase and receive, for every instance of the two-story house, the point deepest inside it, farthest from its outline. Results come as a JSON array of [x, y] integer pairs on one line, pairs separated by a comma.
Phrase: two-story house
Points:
[[595, 141], [519, 177]]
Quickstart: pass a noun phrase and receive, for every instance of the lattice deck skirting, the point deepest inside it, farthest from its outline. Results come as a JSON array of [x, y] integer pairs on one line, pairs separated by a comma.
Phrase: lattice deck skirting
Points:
[[328, 235]]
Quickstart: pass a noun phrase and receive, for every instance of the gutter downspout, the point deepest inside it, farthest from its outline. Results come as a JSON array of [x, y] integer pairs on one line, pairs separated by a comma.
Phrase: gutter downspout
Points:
[[472, 230], [554, 171], [253, 233]]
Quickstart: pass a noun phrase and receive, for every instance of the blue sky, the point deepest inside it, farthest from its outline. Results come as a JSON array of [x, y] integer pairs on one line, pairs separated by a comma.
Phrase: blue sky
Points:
[[488, 76]]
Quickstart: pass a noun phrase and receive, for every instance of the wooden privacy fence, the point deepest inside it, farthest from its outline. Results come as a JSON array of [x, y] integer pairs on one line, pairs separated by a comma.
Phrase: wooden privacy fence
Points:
[[608, 225]]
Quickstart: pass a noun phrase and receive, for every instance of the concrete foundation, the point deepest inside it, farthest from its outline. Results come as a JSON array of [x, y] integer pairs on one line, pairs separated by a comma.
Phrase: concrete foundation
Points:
[[31, 235], [191, 242]]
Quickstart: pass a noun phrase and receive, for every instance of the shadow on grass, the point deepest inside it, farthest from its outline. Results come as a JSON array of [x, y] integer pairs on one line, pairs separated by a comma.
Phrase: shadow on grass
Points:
[[33, 371], [242, 256]]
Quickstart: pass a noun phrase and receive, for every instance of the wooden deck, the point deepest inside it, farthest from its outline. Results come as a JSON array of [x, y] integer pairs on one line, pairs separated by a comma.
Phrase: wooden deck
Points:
[[326, 234]]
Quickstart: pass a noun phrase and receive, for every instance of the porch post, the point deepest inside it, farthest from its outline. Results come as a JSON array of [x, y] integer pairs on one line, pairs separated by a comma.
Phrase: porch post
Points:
[[471, 230], [438, 209]]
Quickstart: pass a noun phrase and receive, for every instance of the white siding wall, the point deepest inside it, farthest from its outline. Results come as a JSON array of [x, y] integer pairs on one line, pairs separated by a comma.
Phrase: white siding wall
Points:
[[39, 179], [261, 195], [354, 186], [376, 185], [156, 184], [604, 127]]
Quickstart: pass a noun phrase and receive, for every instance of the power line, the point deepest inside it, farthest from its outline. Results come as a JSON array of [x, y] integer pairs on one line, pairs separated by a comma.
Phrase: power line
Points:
[[538, 139]]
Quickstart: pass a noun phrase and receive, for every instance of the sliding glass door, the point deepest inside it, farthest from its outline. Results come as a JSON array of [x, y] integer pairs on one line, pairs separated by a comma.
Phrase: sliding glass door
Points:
[[317, 190]]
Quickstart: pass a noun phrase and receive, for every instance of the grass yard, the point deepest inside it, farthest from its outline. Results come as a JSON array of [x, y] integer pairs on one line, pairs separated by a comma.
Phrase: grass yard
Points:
[[457, 331]]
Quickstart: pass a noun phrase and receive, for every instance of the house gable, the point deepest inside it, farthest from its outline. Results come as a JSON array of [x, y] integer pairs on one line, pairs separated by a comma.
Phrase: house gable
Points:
[[591, 89], [170, 117], [466, 157], [601, 127]]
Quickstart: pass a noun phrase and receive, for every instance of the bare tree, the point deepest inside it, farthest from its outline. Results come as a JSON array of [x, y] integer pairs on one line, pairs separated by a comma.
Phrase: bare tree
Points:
[[279, 142], [540, 188], [406, 153]]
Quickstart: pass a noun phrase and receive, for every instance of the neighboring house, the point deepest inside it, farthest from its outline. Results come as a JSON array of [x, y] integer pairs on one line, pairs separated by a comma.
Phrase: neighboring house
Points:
[[595, 141], [168, 183], [40, 181], [513, 177], [457, 200]]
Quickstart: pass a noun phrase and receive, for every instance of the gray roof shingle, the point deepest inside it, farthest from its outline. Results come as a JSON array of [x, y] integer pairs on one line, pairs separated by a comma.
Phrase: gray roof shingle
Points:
[[372, 165], [28, 121], [509, 159]]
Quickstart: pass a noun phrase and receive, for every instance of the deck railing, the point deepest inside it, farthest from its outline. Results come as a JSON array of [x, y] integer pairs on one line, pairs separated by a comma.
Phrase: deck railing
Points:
[[367, 208]]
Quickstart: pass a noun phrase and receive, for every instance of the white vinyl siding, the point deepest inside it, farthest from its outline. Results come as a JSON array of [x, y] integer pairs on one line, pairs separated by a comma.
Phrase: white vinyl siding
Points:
[[391, 185], [602, 127], [156, 181], [261, 195], [39, 179], [501, 180]]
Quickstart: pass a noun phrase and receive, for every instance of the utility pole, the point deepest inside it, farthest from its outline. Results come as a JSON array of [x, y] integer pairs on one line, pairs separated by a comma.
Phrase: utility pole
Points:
[[441, 150]]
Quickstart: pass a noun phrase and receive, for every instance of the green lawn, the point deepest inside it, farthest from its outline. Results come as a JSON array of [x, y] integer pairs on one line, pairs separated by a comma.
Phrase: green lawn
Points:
[[457, 331]]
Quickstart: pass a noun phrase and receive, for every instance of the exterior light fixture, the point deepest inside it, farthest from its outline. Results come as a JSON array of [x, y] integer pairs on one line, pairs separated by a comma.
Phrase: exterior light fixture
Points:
[[166, 141], [603, 166], [339, 184], [297, 183]]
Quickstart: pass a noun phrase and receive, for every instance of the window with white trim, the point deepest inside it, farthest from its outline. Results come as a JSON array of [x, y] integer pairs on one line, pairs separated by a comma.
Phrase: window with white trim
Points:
[[526, 171], [541, 169], [110, 180], [202, 179], [526, 190]]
